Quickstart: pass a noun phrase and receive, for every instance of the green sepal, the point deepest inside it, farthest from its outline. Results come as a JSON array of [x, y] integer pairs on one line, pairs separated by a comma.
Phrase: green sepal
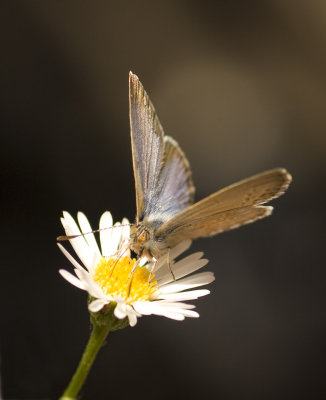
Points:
[[106, 317]]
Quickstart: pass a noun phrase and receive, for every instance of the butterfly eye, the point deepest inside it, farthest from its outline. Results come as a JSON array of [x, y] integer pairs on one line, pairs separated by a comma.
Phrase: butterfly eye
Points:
[[143, 237]]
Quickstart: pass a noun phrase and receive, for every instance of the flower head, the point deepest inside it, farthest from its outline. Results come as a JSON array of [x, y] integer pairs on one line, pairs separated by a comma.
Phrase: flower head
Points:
[[137, 287]]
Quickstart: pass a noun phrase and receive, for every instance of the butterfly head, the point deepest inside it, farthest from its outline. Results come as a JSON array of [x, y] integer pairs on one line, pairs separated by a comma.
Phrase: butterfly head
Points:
[[139, 237]]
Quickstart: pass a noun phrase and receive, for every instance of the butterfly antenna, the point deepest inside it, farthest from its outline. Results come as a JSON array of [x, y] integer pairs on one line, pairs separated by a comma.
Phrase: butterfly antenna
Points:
[[63, 238]]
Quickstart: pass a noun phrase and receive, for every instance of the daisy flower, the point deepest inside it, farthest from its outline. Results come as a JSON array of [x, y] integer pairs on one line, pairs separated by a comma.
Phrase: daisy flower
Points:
[[111, 275]]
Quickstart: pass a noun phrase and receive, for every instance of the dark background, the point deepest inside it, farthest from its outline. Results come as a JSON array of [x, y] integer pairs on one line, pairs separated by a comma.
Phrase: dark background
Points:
[[241, 85]]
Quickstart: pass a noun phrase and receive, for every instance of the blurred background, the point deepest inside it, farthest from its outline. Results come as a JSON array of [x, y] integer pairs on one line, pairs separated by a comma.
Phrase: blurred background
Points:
[[241, 85]]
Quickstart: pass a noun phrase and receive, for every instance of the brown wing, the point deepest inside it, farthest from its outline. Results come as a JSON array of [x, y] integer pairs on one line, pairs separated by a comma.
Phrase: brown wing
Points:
[[226, 220], [226, 209]]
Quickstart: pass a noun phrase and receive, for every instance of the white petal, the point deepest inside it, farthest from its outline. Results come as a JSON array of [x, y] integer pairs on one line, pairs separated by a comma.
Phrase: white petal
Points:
[[148, 308], [97, 305], [92, 288], [116, 236], [158, 309], [175, 316], [175, 252], [94, 260], [131, 316], [183, 296], [143, 307], [120, 311], [125, 229], [169, 314], [106, 234], [168, 303], [189, 264], [95, 291], [192, 281], [183, 267], [190, 314], [161, 265], [179, 249], [87, 230], [79, 244], [168, 309], [70, 257], [175, 308], [83, 275], [72, 279]]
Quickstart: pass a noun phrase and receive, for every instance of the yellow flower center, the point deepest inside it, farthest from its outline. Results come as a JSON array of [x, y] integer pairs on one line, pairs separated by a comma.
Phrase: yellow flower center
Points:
[[114, 277]]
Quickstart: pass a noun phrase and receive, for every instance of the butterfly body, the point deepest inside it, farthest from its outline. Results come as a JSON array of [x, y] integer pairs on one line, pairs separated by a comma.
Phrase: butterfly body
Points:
[[141, 241], [166, 214], [144, 241]]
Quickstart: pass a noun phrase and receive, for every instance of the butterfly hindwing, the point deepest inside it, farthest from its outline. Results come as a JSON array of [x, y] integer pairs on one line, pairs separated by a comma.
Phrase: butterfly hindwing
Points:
[[233, 206], [208, 226], [175, 190]]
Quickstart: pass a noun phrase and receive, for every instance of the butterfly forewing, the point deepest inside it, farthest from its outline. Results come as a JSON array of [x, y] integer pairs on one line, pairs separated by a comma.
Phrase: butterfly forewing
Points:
[[162, 174], [147, 144]]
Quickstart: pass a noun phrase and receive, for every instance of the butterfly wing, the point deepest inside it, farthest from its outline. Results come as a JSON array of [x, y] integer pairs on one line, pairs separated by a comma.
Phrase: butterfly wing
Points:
[[233, 206], [146, 143], [174, 190], [162, 173]]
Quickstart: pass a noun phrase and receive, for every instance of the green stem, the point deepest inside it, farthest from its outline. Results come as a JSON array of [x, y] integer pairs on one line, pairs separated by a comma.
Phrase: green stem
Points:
[[98, 335]]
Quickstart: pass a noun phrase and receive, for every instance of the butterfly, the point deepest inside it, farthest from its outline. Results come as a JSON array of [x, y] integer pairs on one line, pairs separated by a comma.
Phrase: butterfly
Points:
[[165, 211]]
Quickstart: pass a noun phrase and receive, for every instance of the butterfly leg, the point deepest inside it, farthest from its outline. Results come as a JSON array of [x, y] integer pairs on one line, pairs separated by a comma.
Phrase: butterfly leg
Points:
[[137, 262], [119, 254], [169, 264], [134, 268], [131, 276], [152, 269]]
